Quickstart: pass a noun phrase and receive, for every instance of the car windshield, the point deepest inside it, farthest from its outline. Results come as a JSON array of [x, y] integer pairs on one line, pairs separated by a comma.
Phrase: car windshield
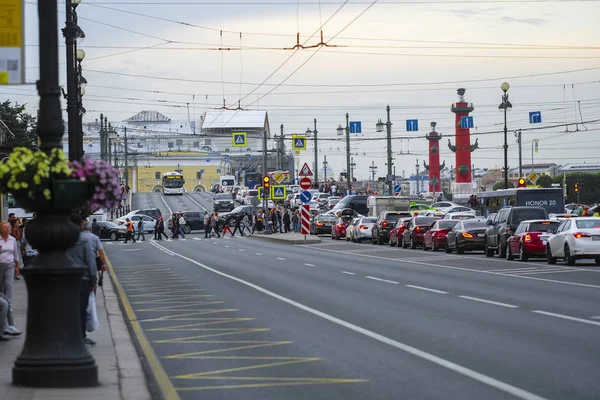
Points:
[[239, 209], [523, 214], [543, 226], [421, 221], [392, 217], [592, 223], [326, 218], [370, 220], [475, 224], [447, 224], [252, 193], [223, 196]]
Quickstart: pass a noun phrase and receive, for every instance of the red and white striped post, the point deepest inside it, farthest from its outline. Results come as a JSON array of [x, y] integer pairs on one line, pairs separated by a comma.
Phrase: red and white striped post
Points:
[[305, 218]]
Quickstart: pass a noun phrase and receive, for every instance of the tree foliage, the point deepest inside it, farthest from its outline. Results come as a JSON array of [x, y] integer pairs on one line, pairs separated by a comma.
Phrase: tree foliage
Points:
[[589, 187], [544, 181], [500, 185], [22, 124]]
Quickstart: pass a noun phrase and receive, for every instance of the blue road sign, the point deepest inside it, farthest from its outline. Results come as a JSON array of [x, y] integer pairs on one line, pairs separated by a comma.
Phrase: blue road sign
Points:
[[226, 159], [412, 125], [466, 122], [397, 188], [218, 171], [299, 143], [208, 160], [238, 139], [201, 171], [278, 192], [535, 117], [250, 158], [355, 127], [305, 196]]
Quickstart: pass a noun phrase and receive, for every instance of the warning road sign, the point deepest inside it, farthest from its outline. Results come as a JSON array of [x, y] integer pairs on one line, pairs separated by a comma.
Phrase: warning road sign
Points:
[[278, 192], [238, 139], [299, 142], [305, 170]]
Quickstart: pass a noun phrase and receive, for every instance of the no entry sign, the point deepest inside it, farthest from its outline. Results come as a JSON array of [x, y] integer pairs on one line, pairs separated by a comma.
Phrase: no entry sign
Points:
[[305, 183]]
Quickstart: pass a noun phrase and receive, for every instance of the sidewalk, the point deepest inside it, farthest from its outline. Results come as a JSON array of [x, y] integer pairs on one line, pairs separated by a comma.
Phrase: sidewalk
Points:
[[119, 368], [288, 238]]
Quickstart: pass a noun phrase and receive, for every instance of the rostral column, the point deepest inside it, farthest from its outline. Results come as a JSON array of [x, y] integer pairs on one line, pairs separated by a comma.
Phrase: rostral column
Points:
[[463, 147], [434, 166]]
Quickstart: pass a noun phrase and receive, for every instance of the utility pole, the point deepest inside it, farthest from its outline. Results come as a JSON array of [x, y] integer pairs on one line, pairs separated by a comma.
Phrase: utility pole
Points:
[[69, 32], [102, 138], [352, 166], [348, 151], [394, 181], [389, 151], [417, 176], [280, 149], [325, 168], [126, 160], [265, 192], [316, 170], [373, 169], [518, 135]]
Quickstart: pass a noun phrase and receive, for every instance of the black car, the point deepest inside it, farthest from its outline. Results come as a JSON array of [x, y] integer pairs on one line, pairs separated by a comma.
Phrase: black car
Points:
[[231, 216], [110, 230], [223, 201], [321, 225], [194, 221], [356, 202], [468, 234], [505, 223], [385, 222]]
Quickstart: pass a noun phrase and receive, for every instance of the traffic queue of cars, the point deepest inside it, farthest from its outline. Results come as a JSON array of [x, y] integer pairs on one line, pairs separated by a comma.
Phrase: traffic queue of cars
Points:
[[521, 233]]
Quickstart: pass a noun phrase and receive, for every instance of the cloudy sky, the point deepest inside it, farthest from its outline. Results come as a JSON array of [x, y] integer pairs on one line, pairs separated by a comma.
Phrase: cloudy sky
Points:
[[413, 55]]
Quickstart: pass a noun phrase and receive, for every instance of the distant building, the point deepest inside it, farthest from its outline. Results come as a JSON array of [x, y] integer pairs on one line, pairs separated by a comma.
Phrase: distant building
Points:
[[584, 167], [550, 169]]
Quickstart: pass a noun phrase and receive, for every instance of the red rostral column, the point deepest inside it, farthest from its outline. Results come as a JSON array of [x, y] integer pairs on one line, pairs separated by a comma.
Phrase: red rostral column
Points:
[[463, 146], [434, 166]]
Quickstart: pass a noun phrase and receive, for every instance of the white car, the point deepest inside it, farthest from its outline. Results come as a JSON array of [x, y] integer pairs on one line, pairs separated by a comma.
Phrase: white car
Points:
[[363, 229], [575, 239], [444, 205], [314, 206], [241, 196], [322, 199], [458, 209], [460, 215], [149, 222]]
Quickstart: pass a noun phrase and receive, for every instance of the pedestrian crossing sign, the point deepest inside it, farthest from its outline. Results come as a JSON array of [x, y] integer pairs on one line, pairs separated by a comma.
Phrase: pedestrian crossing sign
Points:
[[238, 139], [278, 192], [299, 142]]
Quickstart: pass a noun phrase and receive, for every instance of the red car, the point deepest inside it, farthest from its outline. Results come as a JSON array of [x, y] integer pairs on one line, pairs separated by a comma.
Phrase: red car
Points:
[[530, 238], [416, 228], [435, 237], [338, 230], [397, 231]]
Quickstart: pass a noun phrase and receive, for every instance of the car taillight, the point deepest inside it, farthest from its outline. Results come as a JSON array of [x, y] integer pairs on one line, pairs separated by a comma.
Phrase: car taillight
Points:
[[340, 226], [467, 235], [418, 228], [507, 230], [579, 235], [364, 227], [384, 224], [319, 224], [527, 238]]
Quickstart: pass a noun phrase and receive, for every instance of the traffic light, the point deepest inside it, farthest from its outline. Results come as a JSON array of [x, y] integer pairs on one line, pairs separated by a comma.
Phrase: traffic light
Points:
[[576, 187], [521, 183], [266, 184]]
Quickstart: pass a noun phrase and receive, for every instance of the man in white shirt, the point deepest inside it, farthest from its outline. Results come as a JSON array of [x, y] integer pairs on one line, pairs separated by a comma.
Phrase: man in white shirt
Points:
[[181, 226]]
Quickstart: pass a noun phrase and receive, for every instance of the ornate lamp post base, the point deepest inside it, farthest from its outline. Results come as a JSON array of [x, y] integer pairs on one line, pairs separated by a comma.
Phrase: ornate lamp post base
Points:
[[54, 354]]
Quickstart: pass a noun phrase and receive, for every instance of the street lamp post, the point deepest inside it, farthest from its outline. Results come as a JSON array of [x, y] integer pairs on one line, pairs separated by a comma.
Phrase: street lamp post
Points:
[[316, 165], [519, 142], [340, 131], [81, 83], [379, 126], [54, 354], [505, 106]]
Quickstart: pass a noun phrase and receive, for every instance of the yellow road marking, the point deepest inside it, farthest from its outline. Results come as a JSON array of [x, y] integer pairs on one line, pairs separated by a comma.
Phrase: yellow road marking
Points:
[[159, 287], [178, 317], [163, 293], [140, 265], [180, 300], [178, 307], [195, 339], [247, 368], [191, 355], [191, 327], [259, 385], [162, 379]]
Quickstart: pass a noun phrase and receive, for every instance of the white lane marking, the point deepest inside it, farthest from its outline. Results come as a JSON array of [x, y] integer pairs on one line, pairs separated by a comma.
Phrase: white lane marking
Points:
[[168, 208], [587, 285], [510, 270], [348, 273], [197, 239], [281, 259], [459, 369], [194, 201], [226, 246], [381, 280], [215, 243], [241, 250], [427, 289], [596, 317], [310, 265], [555, 271], [183, 239], [258, 254], [585, 321], [496, 303]]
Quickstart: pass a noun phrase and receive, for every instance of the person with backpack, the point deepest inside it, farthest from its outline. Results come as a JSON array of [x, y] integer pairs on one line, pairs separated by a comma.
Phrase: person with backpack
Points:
[[129, 230]]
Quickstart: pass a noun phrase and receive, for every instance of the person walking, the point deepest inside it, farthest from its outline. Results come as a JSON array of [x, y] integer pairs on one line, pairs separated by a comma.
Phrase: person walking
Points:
[[5, 315], [156, 229], [95, 227], [161, 229], [286, 221], [246, 223], [129, 230], [214, 222], [181, 222], [9, 261], [238, 225], [80, 255], [227, 228], [140, 228], [295, 222], [175, 230], [207, 225]]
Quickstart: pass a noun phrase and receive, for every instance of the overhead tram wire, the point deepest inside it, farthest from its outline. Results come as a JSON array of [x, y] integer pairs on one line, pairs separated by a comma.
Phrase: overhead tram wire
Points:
[[357, 2]]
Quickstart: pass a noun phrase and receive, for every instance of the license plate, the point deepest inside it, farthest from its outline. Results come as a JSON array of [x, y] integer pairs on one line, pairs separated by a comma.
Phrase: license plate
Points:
[[544, 241], [596, 237], [480, 235]]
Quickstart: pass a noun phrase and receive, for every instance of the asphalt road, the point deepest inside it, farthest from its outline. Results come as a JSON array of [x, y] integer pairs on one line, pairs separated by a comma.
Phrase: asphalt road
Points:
[[247, 318]]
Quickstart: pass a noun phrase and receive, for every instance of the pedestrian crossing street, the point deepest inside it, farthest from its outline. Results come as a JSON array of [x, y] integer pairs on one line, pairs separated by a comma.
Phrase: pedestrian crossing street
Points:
[[106, 243]]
